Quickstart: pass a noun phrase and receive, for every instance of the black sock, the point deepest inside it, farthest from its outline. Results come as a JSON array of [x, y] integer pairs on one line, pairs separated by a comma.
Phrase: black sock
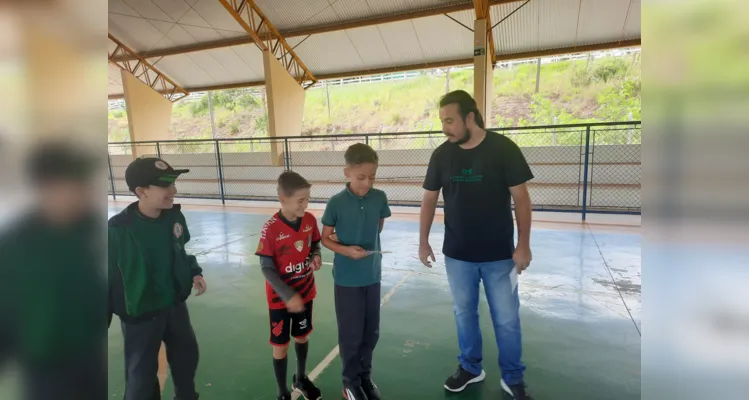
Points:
[[279, 368], [301, 358]]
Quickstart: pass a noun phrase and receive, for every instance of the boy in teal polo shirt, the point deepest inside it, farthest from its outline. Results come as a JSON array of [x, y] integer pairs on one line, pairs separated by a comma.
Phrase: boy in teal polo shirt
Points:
[[357, 214]]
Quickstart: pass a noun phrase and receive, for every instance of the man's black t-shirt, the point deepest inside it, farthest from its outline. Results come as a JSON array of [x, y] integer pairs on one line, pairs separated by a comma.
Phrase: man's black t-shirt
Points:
[[475, 186]]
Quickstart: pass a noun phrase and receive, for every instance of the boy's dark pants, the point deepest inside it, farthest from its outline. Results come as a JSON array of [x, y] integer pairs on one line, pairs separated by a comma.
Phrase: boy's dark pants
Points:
[[358, 313], [142, 345]]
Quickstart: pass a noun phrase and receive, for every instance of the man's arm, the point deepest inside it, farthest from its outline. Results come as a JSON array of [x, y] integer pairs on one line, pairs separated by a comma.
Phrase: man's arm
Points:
[[426, 216], [274, 278], [522, 213]]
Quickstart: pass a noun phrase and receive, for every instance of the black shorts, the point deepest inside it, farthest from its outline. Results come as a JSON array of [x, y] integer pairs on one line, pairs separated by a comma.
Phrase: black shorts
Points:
[[284, 324]]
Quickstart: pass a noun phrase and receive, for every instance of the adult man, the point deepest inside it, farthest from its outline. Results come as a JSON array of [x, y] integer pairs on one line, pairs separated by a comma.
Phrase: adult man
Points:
[[478, 172]]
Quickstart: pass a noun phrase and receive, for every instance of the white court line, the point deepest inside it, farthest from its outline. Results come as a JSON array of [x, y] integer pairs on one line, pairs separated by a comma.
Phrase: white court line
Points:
[[334, 353]]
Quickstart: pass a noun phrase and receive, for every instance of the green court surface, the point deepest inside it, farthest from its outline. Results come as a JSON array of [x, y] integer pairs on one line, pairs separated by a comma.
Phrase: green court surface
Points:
[[580, 317]]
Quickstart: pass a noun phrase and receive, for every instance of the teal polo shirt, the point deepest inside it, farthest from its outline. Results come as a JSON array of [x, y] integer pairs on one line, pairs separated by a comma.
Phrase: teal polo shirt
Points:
[[357, 223]]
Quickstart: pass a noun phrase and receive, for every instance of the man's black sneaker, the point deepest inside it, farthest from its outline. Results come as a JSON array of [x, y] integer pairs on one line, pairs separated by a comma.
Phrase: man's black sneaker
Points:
[[517, 392], [308, 389], [354, 393], [462, 378], [285, 396], [370, 389]]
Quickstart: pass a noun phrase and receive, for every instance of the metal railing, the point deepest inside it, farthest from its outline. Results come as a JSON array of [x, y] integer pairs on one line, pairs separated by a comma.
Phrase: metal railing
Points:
[[583, 168]]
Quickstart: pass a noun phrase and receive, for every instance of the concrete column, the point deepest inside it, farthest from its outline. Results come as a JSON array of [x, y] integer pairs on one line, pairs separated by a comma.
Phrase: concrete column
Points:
[[483, 72], [285, 105], [149, 114]]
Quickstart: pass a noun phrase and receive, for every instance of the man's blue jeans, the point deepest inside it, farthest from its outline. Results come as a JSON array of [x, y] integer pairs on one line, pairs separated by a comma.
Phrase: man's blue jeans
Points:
[[504, 305]]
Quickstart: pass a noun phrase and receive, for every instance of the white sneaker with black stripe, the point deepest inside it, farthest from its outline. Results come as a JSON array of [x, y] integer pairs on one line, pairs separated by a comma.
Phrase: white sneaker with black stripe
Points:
[[462, 378]]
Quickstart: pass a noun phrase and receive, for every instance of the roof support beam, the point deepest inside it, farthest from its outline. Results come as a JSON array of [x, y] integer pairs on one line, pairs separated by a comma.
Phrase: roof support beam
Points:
[[255, 23], [440, 64], [144, 71], [217, 44], [482, 12]]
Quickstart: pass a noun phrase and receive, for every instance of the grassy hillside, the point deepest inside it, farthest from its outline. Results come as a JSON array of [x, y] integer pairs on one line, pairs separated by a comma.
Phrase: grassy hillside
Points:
[[605, 89]]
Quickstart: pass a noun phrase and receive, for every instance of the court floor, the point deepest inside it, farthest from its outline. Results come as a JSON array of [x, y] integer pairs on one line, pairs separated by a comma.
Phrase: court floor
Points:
[[580, 311]]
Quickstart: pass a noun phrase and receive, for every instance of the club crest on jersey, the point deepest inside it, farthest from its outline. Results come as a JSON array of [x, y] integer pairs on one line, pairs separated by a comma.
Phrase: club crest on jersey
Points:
[[282, 236], [178, 230], [307, 228], [299, 244]]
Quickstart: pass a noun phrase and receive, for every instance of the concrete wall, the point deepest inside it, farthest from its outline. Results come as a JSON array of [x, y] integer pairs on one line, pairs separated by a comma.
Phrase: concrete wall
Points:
[[285, 104], [149, 114], [615, 173]]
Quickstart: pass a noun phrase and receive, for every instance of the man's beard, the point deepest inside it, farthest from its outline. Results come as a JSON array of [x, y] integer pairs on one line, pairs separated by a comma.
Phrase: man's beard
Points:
[[465, 138]]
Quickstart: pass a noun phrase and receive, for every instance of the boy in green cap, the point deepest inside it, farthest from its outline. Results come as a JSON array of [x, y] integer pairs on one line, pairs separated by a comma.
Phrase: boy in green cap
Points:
[[150, 277]]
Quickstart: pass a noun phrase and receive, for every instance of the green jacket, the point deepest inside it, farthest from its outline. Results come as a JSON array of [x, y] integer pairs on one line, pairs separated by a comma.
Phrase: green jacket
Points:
[[53, 302], [133, 295]]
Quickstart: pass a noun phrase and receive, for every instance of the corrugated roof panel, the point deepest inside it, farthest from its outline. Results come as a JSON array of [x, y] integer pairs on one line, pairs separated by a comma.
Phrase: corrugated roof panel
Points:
[[192, 18], [148, 9], [165, 43], [402, 43], [120, 7], [202, 34], [557, 23], [232, 62], [329, 53], [179, 36], [176, 9], [214, 68], [183, 70], [216, 15], [443, 39], [519, 32], [136, 33], [633, 29], [291, 14], [163, 27], [387, 7], [371, 48], [252, 56], [602, 21], [351, 10], [325, 16]]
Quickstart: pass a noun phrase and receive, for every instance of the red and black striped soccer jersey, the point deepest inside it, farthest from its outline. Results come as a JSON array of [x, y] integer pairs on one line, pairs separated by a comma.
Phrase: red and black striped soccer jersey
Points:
[[291, 254]]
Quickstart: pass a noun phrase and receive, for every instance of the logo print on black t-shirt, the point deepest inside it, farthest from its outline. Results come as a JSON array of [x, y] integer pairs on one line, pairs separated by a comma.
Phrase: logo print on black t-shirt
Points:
[[467, 175]]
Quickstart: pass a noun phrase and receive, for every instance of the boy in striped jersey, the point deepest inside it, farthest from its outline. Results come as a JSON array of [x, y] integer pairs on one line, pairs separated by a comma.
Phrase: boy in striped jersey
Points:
[[289, 252]]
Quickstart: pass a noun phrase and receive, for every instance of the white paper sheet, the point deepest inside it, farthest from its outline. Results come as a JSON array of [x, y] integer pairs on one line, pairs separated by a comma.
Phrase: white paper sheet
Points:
[[514, 277]]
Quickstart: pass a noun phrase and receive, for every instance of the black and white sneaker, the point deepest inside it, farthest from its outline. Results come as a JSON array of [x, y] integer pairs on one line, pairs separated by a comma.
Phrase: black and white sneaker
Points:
[[370, 389], [285, 396], [354, 393], [307, 389], [517, 392], [462, 378]]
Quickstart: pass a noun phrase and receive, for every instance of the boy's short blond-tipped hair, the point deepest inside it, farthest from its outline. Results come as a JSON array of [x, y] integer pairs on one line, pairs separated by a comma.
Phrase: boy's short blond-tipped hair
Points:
[[289, 182], [360, 153]]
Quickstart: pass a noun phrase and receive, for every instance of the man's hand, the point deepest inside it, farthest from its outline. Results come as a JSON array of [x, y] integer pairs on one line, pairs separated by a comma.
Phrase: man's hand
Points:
[[355, 252], [522, 257], [316, 263], [295, 305], [425, 251], [198, 283]]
